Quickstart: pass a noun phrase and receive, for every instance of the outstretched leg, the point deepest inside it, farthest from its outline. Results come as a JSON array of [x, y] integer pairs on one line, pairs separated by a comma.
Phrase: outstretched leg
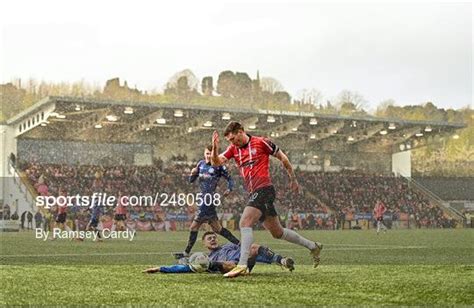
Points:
[[272, 224], [217, 227], [193, 233]]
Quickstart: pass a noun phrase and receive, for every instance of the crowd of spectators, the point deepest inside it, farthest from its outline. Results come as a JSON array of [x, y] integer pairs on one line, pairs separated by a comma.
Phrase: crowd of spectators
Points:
[[326, 200], [449, 188], [349, 192]]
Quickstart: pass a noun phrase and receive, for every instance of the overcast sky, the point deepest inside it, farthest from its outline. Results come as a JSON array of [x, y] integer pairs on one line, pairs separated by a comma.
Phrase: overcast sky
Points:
[[411, 53]]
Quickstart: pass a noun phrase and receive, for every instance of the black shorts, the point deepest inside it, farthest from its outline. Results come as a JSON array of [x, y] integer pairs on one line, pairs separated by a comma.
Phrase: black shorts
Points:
[[206, 214], [379, 219], [61, 218], [205, 218], [263, 199], [120, 217], [94, 222]]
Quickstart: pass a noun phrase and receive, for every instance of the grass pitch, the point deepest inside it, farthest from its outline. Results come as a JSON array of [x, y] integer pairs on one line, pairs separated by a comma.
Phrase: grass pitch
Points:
[[407, 267]]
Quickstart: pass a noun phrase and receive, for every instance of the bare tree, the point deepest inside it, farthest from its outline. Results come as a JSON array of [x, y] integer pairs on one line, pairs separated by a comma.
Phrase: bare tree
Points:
[[383, 105], [351, 98], [310, 96], [271, 85]]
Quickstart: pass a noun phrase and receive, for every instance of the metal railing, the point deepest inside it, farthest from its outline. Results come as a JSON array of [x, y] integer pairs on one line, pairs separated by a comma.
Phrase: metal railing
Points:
[[23, 185], [436, 199]]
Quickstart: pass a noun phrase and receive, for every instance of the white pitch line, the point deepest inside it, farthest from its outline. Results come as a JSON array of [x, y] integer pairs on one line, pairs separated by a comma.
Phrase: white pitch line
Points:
[[347, 245], [279, 242], [169, 253], [283, 243], [87, 255], [367, 248]]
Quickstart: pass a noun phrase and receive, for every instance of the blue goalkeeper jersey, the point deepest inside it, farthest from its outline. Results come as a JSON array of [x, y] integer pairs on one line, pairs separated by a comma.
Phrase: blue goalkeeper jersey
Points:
[[209, 177]]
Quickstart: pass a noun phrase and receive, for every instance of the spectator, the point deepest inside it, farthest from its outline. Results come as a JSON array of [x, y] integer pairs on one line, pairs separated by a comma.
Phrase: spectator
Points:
[[327, 198], [38, 219], [22, 221], [6, 212], [29, 217], [14, 216]]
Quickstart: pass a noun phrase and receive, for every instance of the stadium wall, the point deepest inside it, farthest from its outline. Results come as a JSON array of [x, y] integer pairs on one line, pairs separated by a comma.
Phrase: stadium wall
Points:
[[8, 146], [401, 163], [4, 159]]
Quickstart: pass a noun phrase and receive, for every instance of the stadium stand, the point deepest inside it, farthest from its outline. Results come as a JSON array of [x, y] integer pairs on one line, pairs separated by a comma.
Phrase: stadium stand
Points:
[[449, 188], [74, 145], [330, 199]]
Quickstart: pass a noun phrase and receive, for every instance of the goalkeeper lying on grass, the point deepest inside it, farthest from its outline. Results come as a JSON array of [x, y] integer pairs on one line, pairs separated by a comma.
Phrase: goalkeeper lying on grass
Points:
[[222, 259]]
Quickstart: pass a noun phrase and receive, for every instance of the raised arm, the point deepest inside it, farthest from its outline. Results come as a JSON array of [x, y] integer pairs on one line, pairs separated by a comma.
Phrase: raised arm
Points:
[[216, 159]]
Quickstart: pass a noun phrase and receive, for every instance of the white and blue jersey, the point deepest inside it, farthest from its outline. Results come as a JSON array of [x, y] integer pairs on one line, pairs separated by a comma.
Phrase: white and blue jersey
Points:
[[226, 252], [231, 252], [208, 177]]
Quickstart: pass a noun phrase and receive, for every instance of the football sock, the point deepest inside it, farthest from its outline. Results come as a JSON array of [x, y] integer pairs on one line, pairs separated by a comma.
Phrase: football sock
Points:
[[266, 255], [229, 236], [246, 234], [192, 239], [293, 237]]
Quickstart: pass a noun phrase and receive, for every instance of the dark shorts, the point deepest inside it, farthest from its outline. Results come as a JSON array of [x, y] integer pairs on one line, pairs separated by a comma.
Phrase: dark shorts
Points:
[[263, 199], [206, 214], [120, 217], [61, 218], [379, 219], [94, 222]]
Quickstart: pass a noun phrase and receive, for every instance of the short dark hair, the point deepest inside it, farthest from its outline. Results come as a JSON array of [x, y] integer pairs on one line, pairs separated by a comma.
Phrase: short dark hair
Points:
[[233, 127], [207, 233], [209, 147]]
